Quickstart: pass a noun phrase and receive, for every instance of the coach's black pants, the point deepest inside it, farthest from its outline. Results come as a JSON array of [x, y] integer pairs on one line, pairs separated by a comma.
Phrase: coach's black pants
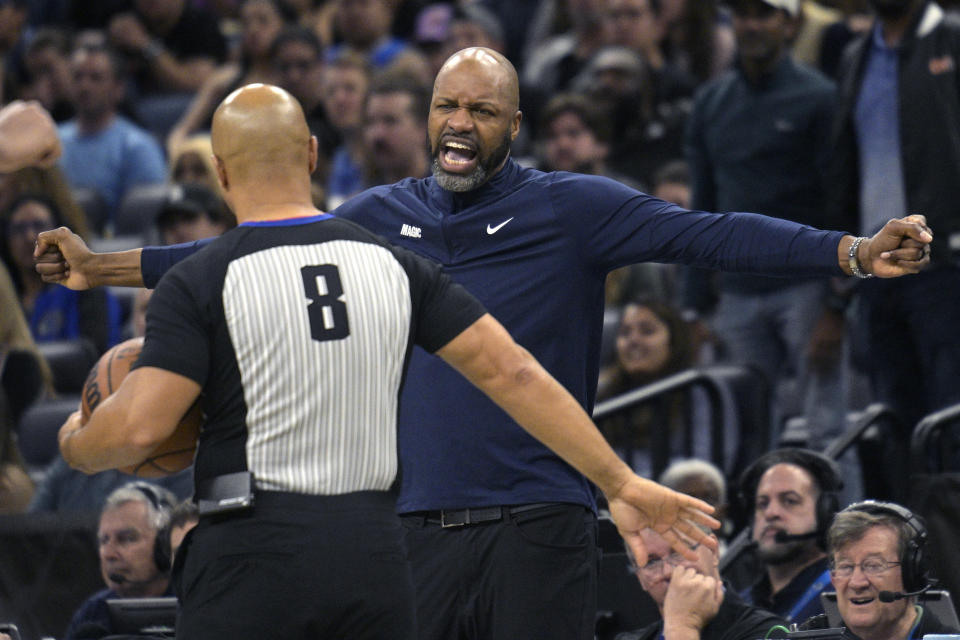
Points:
[[529, 575]]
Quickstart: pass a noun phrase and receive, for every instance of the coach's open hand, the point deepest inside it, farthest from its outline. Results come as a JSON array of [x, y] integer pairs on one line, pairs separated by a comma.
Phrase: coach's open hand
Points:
[[679, 518]]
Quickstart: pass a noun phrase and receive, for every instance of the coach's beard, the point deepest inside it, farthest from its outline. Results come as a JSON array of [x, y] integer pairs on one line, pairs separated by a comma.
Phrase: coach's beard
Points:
[[480, 174]]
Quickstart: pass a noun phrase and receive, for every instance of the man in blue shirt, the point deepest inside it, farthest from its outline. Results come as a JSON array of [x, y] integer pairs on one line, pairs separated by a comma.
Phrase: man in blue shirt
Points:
[[897, 151], [102, 149], [501, 533], [132, 540]]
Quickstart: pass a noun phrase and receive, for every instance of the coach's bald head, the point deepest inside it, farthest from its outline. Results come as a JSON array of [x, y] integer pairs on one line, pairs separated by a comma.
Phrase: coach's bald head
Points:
[[259, 132], [488, 67], [474, 117]]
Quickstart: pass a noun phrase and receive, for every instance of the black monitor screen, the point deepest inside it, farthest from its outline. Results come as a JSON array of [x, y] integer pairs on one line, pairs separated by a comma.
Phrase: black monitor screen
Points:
[[156, 616]]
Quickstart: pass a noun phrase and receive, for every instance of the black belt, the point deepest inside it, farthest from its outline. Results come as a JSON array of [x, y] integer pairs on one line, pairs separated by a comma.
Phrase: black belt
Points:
[[447, 518]]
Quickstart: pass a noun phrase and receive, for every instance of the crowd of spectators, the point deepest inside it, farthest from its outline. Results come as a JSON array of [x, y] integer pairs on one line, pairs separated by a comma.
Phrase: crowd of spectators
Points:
[[628, 89], [721, 106]]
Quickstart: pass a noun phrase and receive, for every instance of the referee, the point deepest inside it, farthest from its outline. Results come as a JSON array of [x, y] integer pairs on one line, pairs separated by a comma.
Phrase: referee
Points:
[[296, 327]]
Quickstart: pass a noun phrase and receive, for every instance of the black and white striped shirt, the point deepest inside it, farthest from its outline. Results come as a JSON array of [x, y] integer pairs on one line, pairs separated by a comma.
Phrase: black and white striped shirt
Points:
[[299, 332]]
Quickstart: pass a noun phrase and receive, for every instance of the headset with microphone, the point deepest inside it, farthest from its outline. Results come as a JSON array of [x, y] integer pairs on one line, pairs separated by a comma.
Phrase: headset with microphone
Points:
[[825, 473], [162, 502], [914, 568]]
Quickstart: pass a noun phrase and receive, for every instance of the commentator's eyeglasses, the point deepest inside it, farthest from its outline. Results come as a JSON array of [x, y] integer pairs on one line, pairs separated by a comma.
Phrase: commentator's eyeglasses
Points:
[[655, 565], [871, 567]]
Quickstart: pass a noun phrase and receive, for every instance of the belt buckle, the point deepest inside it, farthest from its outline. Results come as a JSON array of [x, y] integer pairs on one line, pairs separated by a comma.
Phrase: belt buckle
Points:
[[450, 525]]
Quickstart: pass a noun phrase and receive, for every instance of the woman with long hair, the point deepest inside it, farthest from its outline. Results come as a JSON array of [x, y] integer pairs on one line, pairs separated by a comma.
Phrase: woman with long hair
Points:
[[53, 312]]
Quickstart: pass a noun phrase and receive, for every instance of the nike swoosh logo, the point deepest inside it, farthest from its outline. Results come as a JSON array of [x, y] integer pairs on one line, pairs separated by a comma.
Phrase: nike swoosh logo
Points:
[[493, 230]]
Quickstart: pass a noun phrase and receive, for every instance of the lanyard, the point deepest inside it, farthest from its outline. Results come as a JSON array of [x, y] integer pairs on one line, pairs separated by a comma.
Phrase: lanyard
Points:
[[812, 592]]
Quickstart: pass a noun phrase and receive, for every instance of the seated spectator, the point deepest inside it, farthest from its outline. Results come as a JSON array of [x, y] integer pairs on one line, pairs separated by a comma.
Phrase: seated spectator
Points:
[[54, 312], [703, 480], [792, 495], [577, 137], [298, 57], [47, 61], [648, 120], [192, 212], [130, 521], [552, 64], [171, 45], [394, 130], [442, 30], [635, 24], [261, 22], [364, 26], [697, 37], [694, 604], [652, 343], [346, 81], [101, 149], [191, 162], [700, 479], [877, 548]]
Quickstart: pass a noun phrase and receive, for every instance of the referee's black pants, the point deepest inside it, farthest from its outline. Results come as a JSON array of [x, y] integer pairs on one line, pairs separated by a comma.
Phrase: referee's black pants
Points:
[[531, 574], [297, 567]]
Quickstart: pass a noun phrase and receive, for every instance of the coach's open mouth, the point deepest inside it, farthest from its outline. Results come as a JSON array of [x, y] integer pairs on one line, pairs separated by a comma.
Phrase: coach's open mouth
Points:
[[458, 156]]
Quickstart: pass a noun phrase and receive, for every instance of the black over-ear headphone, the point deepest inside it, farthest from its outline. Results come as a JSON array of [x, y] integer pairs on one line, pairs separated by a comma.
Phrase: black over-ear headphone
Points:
[[825, 472], [913, 563], [161, 503]]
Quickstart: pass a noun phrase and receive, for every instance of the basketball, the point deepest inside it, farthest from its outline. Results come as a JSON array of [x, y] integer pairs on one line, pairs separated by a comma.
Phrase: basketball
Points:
[[175, 453]]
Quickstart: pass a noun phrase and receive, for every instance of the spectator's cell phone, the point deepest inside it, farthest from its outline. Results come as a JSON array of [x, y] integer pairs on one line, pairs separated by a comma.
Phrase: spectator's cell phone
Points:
[[11, 630]]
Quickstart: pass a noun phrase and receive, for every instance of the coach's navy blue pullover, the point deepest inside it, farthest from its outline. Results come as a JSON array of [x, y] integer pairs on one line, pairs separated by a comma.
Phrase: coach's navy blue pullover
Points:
[[535, 248]]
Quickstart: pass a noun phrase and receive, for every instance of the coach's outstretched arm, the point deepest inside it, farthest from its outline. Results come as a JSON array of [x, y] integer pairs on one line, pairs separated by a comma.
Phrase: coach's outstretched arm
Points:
[[488, 357], [901, 247]]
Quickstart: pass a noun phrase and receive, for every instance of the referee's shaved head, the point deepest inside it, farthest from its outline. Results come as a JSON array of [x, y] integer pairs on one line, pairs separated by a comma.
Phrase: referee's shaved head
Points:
[[259, 130]]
